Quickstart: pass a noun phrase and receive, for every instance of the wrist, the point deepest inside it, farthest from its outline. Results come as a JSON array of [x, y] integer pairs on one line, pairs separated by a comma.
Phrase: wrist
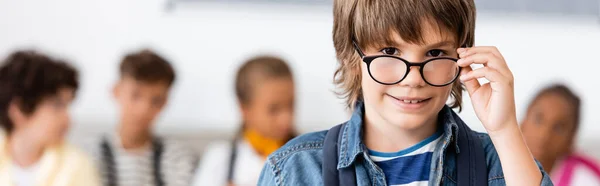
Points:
[[509, 129]]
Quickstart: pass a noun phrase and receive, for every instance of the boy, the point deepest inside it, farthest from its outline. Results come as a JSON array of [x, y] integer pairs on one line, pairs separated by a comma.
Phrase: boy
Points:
[[35, 96], [134, 156], [398, 68]]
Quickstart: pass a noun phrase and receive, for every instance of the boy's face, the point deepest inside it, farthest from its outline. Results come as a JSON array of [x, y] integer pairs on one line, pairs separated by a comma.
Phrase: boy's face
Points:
[[412, 103], [49, 122], [549, 128], [271, 108], [140, 102]]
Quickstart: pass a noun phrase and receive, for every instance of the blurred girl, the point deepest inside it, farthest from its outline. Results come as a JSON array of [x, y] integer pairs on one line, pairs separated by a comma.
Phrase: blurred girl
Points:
[[265, 92], [549, 128]]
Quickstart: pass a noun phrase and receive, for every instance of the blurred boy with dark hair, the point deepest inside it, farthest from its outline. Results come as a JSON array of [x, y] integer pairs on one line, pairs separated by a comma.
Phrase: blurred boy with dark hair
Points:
[[135, 156], [35, 94]]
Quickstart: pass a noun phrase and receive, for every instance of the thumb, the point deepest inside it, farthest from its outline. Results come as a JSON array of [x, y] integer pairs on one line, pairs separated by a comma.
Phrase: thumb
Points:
[[472, 85]]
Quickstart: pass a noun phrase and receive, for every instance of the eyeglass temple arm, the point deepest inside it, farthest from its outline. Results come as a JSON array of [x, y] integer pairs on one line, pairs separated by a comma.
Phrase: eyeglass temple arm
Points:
[[357, 48]]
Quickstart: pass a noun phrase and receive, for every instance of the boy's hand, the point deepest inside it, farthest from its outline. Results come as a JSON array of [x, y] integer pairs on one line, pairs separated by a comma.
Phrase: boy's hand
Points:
[[493, 102]]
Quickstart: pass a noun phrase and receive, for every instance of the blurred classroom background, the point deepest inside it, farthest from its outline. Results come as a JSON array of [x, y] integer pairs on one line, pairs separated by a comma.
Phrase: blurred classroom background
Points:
[[543, 42]]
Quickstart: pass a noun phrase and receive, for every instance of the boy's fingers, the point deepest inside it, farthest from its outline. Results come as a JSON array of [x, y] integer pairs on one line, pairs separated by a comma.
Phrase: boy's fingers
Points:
[[471, 85], [485, 72], [465, 52], [479, 58], [487, 59]]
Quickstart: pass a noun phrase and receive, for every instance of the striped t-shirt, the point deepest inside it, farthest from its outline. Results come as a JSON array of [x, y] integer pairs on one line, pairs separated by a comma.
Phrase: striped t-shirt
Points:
[[408, 167], [135, 168]]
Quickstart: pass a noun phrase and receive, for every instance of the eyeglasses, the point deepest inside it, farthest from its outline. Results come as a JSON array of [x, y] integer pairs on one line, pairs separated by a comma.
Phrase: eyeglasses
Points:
[[390, 70]]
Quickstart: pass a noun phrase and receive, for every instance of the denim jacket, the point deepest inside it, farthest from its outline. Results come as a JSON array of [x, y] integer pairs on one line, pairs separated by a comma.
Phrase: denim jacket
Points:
[[299, 161]]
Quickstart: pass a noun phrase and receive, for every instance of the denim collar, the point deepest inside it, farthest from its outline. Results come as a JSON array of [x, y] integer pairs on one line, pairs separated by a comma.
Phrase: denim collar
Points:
[[352, 135]]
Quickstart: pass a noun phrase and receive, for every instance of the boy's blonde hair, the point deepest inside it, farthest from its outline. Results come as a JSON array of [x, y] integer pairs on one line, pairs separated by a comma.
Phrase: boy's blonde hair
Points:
[[370, 22]]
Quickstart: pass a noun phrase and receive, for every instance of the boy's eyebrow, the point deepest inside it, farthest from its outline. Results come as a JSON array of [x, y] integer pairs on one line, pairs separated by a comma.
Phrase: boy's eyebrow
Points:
[[441, 44]]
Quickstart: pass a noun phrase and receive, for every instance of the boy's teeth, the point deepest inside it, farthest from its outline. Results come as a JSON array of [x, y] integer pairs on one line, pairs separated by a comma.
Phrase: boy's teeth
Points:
[[411, 101]]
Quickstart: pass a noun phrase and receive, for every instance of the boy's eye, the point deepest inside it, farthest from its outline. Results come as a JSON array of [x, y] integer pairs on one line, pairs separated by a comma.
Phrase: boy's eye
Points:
[[390, 51], [435, 53]]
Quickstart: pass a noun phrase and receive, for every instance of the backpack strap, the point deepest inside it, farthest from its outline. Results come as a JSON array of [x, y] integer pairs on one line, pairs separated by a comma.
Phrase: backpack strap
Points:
[[158, 148], [110, 165], [232, 158], [471, 161], [110, 170], [569, 165], [332, 176]]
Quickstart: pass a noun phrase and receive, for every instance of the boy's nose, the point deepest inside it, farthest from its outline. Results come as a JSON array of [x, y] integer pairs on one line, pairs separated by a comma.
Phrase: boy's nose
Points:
[[142, 108], [413, 78]]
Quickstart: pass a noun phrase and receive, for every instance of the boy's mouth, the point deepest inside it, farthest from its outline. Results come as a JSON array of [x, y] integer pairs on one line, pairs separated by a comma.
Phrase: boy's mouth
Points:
[[412, 100], [406, 102]]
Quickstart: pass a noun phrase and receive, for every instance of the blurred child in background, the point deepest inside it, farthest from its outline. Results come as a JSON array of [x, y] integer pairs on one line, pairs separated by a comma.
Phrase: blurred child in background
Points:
[[135, 156], [549, 128], [35, 95], [265, 92]]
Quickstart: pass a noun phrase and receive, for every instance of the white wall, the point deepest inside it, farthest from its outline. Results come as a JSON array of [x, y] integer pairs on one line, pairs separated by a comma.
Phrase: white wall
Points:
[[208, 41]]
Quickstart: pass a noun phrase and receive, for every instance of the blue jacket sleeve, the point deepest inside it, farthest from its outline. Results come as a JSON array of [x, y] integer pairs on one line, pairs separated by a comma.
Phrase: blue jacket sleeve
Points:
[[496, 175], [267, 176]]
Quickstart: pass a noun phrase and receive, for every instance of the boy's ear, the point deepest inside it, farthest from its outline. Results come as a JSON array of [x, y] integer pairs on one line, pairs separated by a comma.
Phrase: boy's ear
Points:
[[15, 114], [116, 89], [243, 109]]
